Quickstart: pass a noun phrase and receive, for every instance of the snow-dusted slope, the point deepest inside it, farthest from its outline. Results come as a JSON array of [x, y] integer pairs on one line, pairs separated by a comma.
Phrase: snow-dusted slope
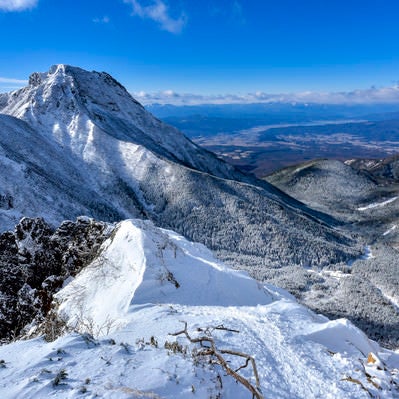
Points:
[[39, 179], [79, 143], [328, 185], [370, 204], [139, 290]]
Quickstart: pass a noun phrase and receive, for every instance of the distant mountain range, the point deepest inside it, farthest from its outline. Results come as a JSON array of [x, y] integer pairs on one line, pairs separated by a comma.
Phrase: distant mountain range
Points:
[[279, 111]]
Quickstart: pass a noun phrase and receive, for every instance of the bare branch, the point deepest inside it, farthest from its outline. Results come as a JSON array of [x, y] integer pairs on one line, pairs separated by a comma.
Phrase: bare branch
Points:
[[249, 358], [222, 327], [220, 360], [208, 330]]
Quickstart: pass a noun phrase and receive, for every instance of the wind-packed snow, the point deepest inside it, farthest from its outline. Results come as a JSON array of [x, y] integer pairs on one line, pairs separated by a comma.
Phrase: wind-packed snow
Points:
[[143, 285]]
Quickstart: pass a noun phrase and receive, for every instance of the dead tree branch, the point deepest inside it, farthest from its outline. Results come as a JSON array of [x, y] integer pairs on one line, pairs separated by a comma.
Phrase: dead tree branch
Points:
[[209, 330], [209, 349]]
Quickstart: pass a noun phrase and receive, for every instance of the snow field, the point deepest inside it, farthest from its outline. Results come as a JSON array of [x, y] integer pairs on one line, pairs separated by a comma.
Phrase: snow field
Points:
[[292, 361]]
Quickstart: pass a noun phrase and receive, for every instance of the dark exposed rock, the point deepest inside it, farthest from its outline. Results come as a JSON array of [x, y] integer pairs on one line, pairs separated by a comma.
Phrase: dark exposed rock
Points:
[[35, 79], [6, 201], [35, 260]]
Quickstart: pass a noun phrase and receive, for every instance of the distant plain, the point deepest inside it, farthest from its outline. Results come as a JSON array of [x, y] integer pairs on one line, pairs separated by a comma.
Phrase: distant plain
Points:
[[263, 140]]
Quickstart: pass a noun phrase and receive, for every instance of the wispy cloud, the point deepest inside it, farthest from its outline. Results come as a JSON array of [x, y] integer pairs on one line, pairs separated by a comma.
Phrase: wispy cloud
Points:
[[8, 84], [159, 12], [237, 12], [364, 96], [103, 20], [17, 5], [20, 82]]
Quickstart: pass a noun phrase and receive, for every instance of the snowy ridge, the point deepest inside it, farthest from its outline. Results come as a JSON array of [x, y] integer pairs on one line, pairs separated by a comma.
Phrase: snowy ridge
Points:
[[141, 264], [149, 280]]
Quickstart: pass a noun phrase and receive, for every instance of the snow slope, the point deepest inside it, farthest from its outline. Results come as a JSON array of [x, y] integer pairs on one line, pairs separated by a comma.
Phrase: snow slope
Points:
[[143, 285]]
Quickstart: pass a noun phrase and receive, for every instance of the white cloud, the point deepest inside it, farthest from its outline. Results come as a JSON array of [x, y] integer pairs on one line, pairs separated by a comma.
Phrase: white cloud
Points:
[[17, 5], [104, 20], [158, 11], [364, 96]]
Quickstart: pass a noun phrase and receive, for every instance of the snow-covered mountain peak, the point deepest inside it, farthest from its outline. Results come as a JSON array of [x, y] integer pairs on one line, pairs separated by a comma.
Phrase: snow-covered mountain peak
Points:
[[46, 92], [84, 85], [37, 78], [70, 90], [82, 109]]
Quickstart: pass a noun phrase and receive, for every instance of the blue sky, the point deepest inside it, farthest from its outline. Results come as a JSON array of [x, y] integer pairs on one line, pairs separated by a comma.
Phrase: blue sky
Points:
[[208, 46]]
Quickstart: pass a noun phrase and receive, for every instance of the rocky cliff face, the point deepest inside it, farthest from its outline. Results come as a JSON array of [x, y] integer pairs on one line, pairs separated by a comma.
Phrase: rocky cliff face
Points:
[[35, 261]]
